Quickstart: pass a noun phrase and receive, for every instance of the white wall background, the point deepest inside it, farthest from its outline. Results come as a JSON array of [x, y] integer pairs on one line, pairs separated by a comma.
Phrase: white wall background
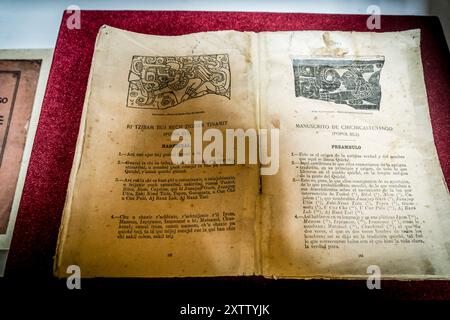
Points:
[[35, 24]]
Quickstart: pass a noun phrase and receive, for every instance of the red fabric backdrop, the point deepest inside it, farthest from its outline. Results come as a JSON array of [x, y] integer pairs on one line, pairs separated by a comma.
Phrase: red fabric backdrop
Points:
[[44, 193]]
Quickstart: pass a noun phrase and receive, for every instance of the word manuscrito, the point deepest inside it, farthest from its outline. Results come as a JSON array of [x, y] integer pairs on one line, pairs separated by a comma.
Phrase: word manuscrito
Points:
[[231, 149]]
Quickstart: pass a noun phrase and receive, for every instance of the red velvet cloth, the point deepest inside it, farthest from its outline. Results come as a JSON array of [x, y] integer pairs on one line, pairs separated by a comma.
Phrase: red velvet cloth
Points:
[[39, 216]]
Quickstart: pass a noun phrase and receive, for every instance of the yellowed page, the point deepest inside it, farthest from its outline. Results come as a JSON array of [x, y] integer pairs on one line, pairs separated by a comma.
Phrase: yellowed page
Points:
[[131, 212], [359, 183]]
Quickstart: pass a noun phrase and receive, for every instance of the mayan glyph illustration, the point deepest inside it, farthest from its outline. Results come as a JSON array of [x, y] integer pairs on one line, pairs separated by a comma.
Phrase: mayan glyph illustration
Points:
[[353, 82], [161, 82]]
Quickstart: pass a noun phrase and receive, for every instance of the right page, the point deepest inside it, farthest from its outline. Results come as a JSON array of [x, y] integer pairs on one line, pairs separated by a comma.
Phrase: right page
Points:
[[359, 183]]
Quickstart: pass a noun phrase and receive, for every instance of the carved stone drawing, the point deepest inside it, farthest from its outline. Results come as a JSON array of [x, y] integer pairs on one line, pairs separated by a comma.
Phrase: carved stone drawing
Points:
[[353, 82], [157, 82]]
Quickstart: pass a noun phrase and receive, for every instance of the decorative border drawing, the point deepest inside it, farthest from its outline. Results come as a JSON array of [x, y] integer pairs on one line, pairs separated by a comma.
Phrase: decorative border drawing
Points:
[[353, 82], [161, 82]]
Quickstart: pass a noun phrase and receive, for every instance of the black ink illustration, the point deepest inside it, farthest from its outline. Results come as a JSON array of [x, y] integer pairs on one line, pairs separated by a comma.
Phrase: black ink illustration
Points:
[[157, 82], [355, 83]]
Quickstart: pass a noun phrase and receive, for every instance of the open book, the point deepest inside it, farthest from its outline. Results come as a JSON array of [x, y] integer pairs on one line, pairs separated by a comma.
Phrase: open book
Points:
[[350, 178]]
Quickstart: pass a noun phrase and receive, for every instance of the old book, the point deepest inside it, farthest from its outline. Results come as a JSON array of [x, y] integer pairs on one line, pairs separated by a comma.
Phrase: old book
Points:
[[23, 76], [344, 176]]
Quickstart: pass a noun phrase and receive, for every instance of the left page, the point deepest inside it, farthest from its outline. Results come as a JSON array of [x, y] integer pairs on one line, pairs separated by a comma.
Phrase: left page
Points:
[[130, 211]]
